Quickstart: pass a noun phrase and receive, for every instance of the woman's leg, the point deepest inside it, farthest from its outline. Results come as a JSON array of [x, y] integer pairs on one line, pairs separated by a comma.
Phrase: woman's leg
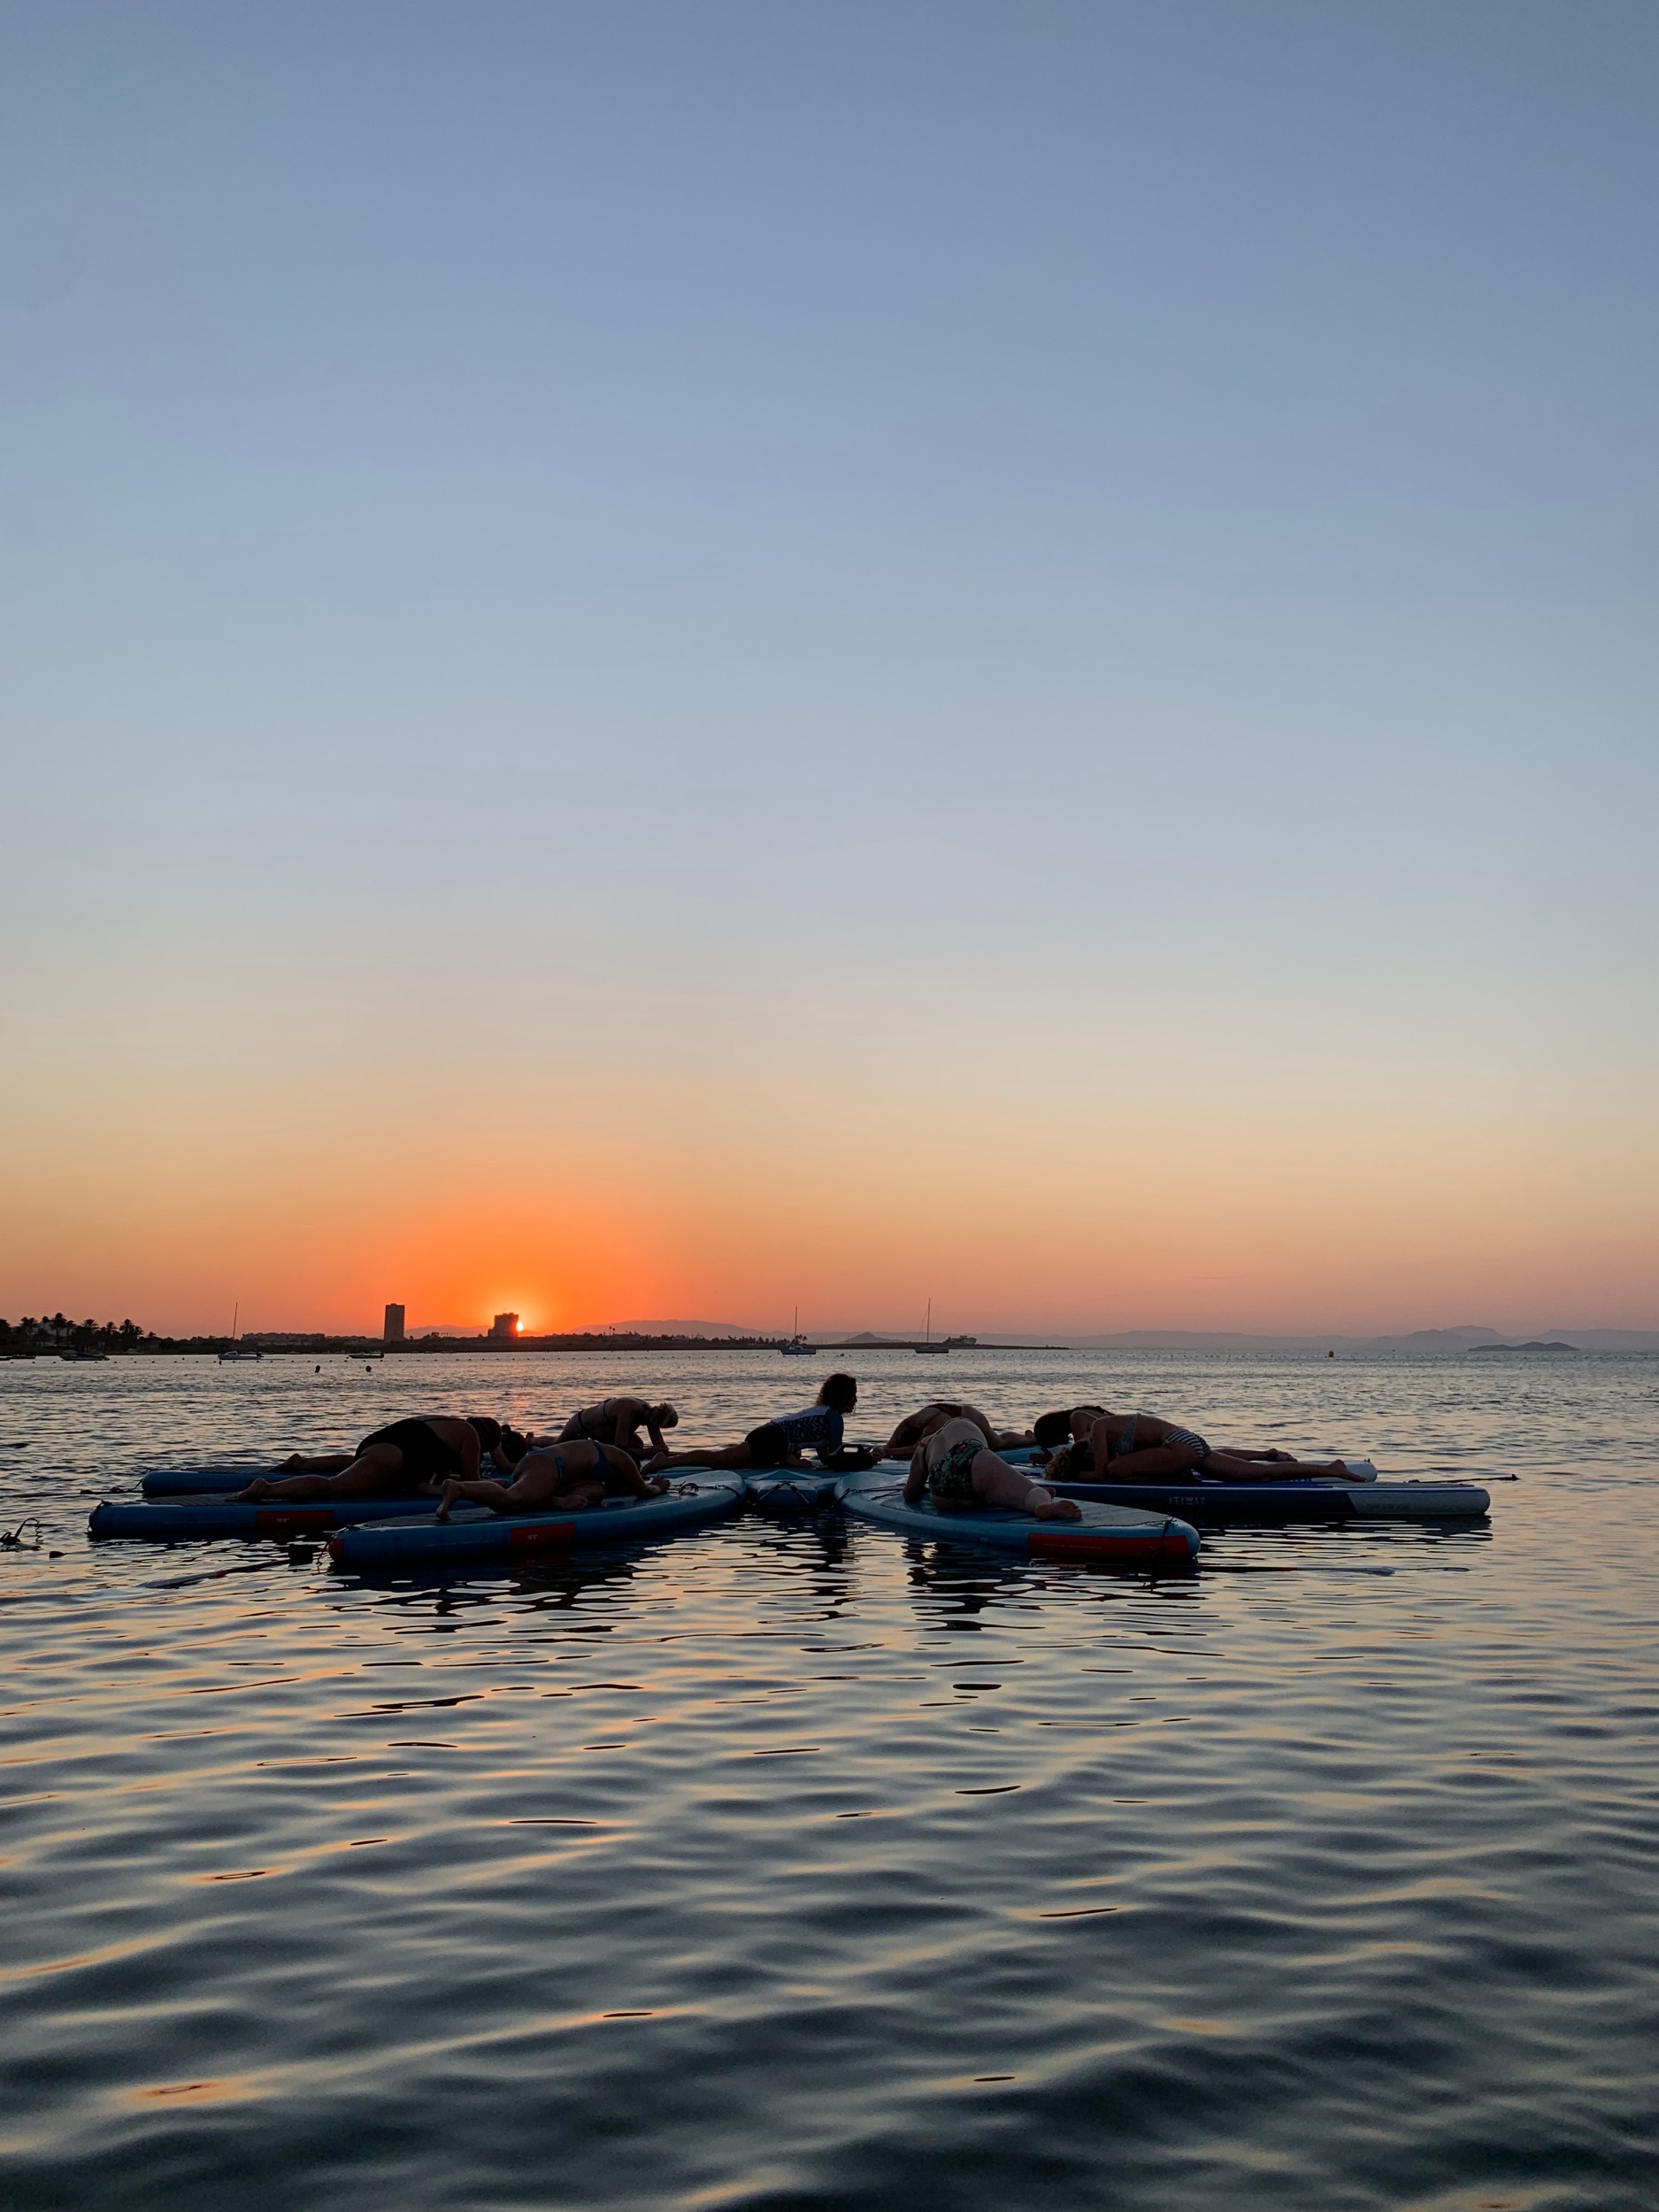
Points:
[[316, 1464], [1228, 1467], [731, 1455], [374, 1475], [535, 1495], [1161, 1462], [538, 1481], [999, 1484]]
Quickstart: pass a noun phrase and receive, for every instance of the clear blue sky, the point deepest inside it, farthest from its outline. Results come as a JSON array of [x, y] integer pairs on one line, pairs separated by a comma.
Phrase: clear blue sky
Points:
[[853, 541]]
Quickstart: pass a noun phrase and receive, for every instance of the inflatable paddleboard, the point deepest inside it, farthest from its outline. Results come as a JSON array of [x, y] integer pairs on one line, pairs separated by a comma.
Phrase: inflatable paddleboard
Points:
[[781, 1492], [185, 1520], [202, 1482], [476, 1535], [1120, 1535], [1276, 1504]]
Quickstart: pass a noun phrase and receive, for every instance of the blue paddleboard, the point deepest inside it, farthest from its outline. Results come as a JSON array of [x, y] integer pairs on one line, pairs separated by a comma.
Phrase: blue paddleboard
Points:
[[200, 1482], [1119, 1534], [1277, 1504], [184, 1520], [783, 1492], [476, 1535]]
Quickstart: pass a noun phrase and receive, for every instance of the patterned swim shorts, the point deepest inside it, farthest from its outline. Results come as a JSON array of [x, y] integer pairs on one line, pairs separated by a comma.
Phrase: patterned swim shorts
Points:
[[951, 1478], [1186, 1436]]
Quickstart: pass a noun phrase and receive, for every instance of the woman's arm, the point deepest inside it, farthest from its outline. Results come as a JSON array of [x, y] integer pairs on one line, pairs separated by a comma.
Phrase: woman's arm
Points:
[[632, 1480], [916, 1482]]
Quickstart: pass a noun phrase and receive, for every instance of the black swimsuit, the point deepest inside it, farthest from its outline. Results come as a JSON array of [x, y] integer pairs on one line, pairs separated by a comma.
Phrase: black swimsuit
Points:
[[426, 1458]]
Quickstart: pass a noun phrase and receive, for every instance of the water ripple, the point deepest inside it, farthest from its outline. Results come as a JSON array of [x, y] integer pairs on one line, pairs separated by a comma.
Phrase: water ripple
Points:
[[794, 1864]]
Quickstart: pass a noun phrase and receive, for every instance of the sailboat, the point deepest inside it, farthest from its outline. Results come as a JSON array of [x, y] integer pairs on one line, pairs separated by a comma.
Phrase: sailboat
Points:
[[234, 1350], [929, 1345], [798, 1347]]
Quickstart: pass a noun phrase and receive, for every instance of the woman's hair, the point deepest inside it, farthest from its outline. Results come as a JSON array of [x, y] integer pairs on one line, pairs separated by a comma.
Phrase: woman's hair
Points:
[[1049, 1429], [1071, 1463], [488, 1431], [840, 1391], [514, 1445], [663, 1416]]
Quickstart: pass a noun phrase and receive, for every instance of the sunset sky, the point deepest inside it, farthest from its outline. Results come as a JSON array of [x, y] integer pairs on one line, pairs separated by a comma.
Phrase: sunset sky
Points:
[[669, 660]]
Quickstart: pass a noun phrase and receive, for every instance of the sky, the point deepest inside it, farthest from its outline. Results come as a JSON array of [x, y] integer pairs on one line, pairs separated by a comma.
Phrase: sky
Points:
[[692, 660]]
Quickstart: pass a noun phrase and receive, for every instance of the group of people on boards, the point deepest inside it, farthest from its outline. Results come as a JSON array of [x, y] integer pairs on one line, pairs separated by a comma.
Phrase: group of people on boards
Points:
[[616, 1448]]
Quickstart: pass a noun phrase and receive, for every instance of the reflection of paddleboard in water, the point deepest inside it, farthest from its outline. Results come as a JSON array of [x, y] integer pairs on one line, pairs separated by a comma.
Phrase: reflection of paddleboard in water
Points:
[[476, 1535], [1120, 1535]]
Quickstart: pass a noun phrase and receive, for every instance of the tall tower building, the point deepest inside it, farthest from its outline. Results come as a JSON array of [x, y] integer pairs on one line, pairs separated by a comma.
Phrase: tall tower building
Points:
[[393, 1333], [504, 1328]]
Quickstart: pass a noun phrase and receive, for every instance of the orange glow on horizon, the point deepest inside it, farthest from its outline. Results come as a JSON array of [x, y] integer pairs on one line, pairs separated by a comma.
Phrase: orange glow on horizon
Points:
[[1081, 1211]]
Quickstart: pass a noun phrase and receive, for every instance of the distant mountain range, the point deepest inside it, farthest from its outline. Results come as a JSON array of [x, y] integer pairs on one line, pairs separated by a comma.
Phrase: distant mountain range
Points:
[[1420, 1343]]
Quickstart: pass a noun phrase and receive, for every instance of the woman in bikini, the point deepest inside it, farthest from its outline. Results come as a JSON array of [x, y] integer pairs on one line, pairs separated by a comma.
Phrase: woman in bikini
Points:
[[915, 1427], [563, 1478], [618, 1421], [959, 1469], [1141, 1447], [404, 1458], [783, 1441]]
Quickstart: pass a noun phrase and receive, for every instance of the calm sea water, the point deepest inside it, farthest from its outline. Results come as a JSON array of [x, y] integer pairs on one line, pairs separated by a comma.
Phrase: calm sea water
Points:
[[798, 1866]]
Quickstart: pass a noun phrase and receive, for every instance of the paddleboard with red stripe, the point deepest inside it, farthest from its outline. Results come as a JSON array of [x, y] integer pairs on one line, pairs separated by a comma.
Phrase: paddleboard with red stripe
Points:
[[1118, 1535], [477, 1536]]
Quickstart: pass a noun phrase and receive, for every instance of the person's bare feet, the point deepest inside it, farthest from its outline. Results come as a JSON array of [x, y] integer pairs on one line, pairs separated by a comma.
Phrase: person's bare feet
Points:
[[258, 1488], [1049, 1508], [447, 1497]]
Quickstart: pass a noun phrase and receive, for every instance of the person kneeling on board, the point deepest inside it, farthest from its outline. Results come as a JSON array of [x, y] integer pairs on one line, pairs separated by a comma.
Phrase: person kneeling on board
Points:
[[618, 1421], [558, 1478], [916, 1427], [406, 1457], [784, 1442], [1141, 1447], [959, 1469]]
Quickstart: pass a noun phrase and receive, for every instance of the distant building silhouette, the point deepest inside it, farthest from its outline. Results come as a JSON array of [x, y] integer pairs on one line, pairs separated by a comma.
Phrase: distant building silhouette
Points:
[[504, 1328], [394, 1330]]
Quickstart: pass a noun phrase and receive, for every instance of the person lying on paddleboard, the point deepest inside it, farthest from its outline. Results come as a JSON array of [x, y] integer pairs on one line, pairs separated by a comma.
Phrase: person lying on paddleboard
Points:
[[1141, 1447], [784, 1442], [563, 1478], [406, 1457], [915, 1427], [618, 1421], [959, 1469]]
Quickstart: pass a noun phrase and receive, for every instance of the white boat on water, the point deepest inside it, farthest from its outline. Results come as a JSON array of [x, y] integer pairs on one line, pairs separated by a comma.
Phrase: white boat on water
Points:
[[928, 1345], [798, 1347]]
